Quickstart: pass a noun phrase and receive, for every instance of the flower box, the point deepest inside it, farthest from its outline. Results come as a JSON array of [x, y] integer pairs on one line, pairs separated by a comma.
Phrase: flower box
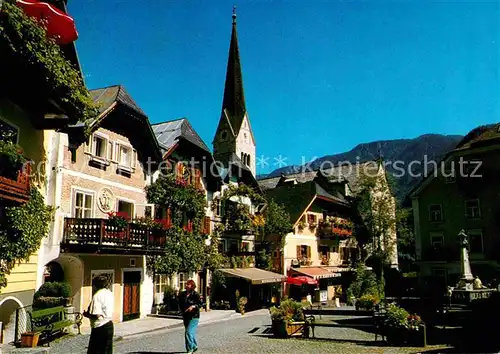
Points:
[[29, 339], [283, 329]]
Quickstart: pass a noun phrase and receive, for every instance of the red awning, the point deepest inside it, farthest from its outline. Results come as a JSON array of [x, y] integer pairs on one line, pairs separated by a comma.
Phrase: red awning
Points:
[[59, 25], [301, 280]]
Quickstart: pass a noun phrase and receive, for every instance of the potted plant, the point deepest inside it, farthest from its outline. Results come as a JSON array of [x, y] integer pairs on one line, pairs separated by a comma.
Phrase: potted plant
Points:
[[242, 301], [116, 224], [11, 159], [417, 333], [367, 302], [287, 319], [29, 339], [396, 325]]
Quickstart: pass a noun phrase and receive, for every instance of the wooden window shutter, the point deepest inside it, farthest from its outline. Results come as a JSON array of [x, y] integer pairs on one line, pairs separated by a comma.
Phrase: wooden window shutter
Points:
[[88, 144], [309, 252], [299, 249], [110, 150], [169, 219], [207, 225], [134, 158]]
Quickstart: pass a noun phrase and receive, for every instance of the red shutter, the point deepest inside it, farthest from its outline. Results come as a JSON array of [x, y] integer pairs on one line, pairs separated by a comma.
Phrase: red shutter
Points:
[[178, 172], [206, 225], [197, 179], [298, 252], [169, 221]]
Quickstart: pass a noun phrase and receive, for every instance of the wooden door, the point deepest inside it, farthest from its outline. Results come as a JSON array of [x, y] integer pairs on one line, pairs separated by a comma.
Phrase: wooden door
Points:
[[131, 295]]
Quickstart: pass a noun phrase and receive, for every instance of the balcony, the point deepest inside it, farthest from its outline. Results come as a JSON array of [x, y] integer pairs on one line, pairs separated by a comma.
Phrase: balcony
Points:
[[16, 187], [98, 236], [332, 230]]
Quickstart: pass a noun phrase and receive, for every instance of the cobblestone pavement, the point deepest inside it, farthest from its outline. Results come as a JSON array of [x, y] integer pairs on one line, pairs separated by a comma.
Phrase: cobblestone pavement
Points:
[[241, 335]]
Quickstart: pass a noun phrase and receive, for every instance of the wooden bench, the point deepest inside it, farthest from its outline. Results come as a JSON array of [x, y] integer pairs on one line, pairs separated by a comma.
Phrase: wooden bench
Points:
[[377, 324], [53, 320]]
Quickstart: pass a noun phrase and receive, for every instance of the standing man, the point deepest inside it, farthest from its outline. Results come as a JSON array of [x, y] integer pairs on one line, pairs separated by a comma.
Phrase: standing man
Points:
[[100, 313], [190, 304]]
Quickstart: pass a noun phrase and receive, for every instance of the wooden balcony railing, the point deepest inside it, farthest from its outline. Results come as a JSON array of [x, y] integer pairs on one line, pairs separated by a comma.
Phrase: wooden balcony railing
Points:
[[16, 189], [95, 235]]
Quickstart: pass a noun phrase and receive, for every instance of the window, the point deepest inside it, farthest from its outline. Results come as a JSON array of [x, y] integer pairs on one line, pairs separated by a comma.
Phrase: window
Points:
[[437, 240], [181, 280], [245, 246], [217, 206], [125, 156], [222, 246], [324, 252], [472, 209], [126, 208], [435, 213], [8, 132], [303, 251], [233, 246], [83, 205], [475, 241], [311, 219], [162, 281], [99, 146]]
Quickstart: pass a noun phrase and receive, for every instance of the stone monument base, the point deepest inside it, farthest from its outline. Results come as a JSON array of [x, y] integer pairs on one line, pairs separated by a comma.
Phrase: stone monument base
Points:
[[465, 296]]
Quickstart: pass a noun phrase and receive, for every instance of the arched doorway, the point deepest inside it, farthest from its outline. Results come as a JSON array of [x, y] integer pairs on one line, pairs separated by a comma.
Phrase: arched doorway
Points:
[[8, 307], [68, 269]]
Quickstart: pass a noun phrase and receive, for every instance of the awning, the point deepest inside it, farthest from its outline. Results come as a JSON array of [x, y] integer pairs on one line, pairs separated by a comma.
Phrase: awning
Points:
[[317, 272], [301, 280], [254, 275]]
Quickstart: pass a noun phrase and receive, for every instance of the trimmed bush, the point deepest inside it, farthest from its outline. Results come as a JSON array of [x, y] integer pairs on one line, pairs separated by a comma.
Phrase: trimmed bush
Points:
[[54, 289]]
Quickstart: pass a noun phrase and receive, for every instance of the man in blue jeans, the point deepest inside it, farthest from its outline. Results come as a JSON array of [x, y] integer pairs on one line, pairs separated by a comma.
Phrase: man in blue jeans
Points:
[[190, 304]]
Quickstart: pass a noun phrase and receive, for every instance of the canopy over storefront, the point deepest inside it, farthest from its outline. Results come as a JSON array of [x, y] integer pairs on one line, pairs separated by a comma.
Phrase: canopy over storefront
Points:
[[254, 275], [316, 272], [301, 280]]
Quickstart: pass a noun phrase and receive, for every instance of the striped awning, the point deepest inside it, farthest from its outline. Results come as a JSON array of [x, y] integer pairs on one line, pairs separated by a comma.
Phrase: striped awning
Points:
[[317, 272]]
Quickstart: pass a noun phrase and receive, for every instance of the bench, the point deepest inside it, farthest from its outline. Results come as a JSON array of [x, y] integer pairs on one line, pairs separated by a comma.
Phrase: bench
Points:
[[50, 321], [377, 323]]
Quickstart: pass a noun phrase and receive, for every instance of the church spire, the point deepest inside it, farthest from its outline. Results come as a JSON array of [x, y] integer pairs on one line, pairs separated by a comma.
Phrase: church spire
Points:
[[234, 99]]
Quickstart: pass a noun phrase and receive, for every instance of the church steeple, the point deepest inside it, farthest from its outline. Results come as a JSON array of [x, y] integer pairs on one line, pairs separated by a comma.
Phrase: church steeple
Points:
[[234, 134]]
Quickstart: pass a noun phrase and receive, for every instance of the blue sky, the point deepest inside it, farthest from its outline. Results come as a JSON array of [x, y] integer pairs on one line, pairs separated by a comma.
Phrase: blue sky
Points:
[[320, 77]]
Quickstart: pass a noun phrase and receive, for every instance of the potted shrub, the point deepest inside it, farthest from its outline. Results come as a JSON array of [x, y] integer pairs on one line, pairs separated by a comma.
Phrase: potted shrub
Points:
[[242, 301], [367, 302], [417, 335], [396, 325], [30, 339], [287, 319]]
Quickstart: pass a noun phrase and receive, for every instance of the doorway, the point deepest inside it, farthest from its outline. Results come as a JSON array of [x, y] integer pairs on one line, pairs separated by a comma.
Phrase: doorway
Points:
[[131, 295]]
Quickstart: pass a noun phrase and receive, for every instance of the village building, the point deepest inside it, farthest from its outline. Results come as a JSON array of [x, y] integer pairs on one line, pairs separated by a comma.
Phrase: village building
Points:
[[185, 154], [97, 188], [30, 112], [321, 249], [459, 193]]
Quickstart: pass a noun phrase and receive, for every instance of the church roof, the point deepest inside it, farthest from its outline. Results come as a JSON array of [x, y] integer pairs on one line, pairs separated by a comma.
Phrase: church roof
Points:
[[233, 103], [169, 133]]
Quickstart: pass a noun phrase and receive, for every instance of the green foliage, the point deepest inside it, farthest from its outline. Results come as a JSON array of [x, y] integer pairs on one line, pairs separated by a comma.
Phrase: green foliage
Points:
[[167, 192], [21, 231], [11, 159], [184, 251], [396, 317], [46, 302], [264, 260], [364, 283], [277, 220], [25, 40], [54, 289], [242, 302], [215, 259], [367, 302], [288, 311]]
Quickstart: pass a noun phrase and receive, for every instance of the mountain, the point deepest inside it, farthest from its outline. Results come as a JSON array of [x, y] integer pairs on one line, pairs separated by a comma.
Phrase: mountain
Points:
[[405, 159]]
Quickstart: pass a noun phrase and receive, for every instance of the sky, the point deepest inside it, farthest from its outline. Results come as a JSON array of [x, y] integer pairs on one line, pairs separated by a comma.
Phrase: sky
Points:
[[319, 77]]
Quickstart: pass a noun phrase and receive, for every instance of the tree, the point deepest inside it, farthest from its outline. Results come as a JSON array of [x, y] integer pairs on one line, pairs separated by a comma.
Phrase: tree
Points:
[[185, 248], [376, 221]]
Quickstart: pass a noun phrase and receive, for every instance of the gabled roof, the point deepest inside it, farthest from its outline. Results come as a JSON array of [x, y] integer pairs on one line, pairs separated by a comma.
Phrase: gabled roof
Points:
[[296, 198], [169, 133], [484, 135], [106, 96], [350, 173]]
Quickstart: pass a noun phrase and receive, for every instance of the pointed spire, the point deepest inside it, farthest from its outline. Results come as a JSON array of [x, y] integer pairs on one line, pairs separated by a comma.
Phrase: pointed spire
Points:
[[234, 98]]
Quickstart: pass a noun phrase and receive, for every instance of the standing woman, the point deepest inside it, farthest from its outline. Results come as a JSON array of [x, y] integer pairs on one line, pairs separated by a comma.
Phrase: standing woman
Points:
[[100, 313], [190, 304]]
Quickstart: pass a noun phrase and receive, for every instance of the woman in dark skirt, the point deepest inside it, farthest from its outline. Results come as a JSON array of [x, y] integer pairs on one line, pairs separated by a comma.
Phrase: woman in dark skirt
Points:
[[100, 313]]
